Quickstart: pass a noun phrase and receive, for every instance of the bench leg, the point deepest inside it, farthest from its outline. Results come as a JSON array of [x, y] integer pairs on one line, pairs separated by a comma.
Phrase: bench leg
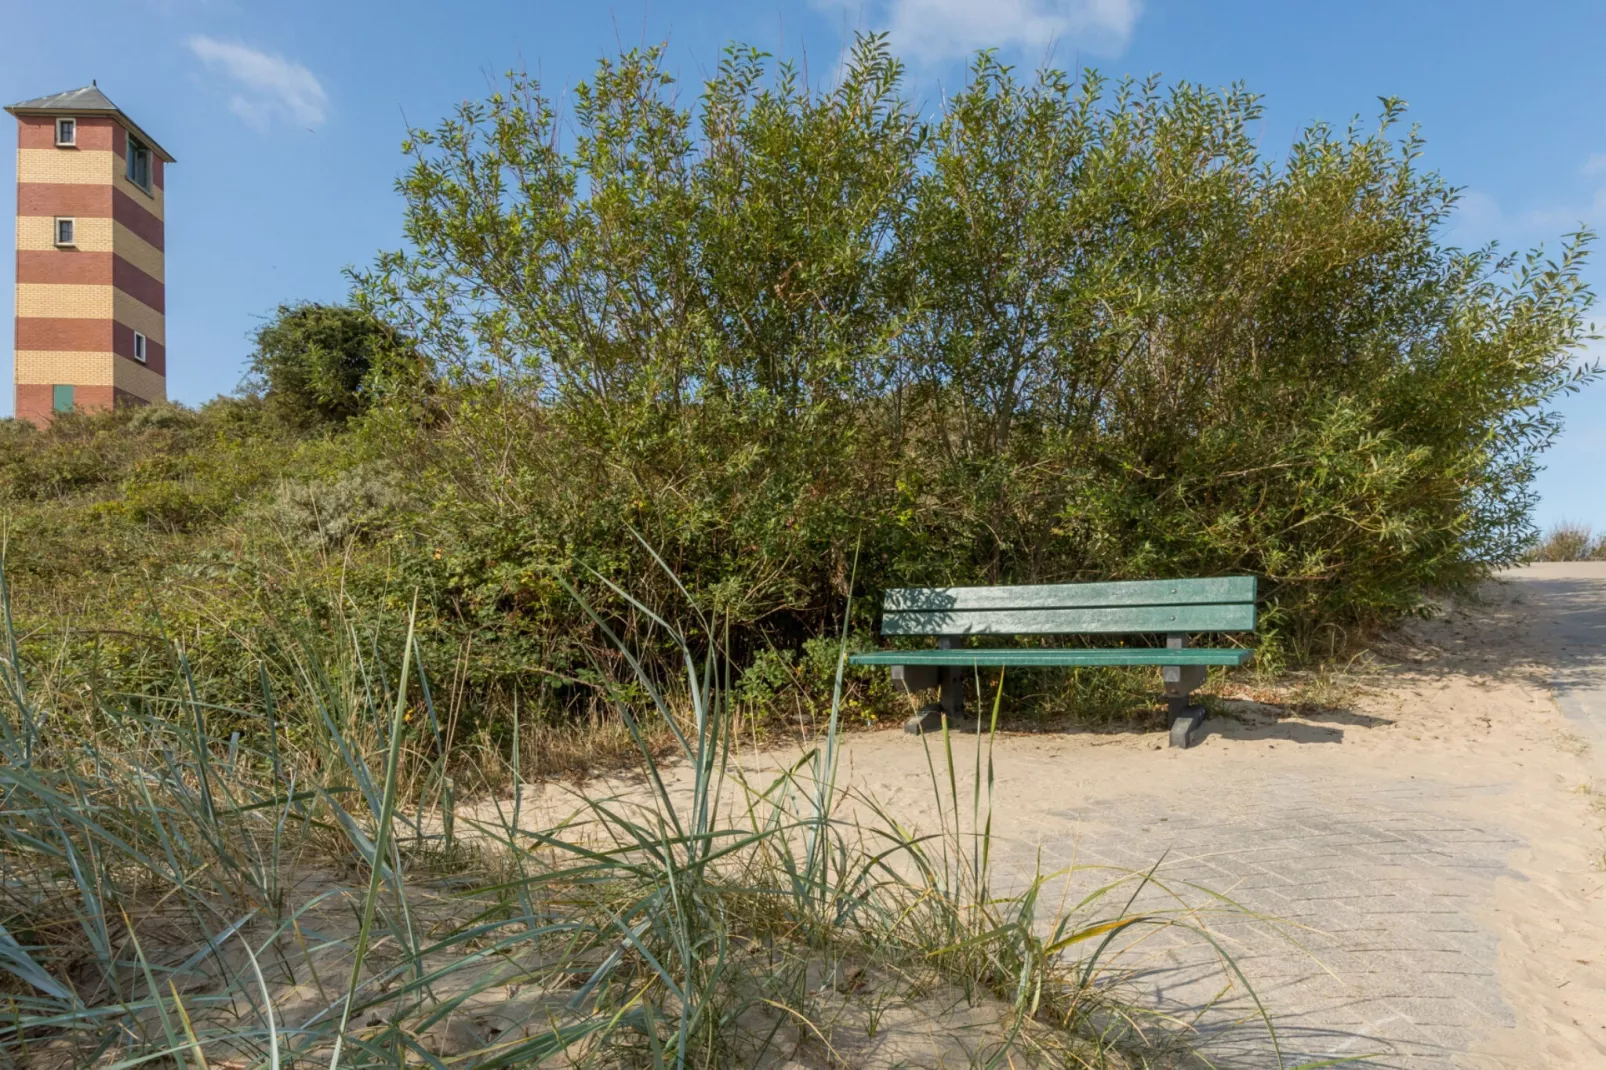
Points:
[[953, 692], [951, 695], [951, 706], [929, 719], [1185, 721], [1179, 681]]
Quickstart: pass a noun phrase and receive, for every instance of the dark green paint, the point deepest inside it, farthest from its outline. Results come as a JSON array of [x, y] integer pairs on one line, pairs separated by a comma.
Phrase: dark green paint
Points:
[[1233, 617], [1076, 595], [1049, 658]]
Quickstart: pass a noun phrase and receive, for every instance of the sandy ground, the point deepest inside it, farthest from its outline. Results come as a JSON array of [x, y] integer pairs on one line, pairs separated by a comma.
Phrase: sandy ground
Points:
[[1430, 837], [1407, 862]]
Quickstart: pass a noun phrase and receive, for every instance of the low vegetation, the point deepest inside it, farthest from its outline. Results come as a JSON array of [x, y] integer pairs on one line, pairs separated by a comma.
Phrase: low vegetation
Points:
[[315, 896], [1569, 541]]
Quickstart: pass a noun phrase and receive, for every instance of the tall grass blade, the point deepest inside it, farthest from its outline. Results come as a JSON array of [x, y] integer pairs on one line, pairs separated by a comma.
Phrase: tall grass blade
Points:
[[381, 844]]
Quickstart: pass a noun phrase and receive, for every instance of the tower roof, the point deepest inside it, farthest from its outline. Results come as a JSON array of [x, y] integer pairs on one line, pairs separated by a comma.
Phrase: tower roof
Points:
[[88, 100]]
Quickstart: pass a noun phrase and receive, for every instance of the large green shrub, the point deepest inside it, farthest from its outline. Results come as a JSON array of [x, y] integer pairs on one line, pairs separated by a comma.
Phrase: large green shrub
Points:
[[1064, 330], [319, 364]]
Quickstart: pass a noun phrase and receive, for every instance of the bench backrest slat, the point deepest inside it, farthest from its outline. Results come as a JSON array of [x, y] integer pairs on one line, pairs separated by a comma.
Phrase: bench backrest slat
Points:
[[1218, 604]]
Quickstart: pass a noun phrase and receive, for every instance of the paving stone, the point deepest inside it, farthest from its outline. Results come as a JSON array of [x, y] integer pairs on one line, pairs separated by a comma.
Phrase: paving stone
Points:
[[1393, 961]]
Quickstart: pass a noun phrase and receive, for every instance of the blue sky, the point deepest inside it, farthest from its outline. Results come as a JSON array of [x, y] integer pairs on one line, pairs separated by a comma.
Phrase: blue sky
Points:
[[286, 117]]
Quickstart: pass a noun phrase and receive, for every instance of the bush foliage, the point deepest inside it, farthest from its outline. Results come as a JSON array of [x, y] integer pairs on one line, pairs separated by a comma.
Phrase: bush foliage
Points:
[[327, 363], [1067, 330], [801, 342]]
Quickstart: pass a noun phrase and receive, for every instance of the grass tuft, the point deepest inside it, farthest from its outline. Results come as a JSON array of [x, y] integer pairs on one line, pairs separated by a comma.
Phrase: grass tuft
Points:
[[359, 891], [1570, 541]]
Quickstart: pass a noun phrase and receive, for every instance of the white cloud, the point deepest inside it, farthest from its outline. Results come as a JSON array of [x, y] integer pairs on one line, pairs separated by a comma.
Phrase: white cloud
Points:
[[933, 30], [267, 86], [1479, 217]]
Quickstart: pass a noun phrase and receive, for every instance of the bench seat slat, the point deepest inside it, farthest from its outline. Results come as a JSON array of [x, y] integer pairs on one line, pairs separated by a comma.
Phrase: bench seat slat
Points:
[[991, 657], [1228, 617], [1075, 595]]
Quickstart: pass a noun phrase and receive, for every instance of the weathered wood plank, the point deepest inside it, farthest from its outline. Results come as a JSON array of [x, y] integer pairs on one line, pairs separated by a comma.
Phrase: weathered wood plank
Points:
[[1218, 589], [1232, 617], [995, 656]]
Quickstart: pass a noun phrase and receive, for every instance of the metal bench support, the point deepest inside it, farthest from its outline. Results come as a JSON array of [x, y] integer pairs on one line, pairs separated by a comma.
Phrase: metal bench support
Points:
[[950, 681], [953, 682], [1179, 681]]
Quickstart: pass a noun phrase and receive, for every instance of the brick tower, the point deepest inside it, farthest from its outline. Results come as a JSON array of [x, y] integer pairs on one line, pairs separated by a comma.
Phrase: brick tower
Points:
[[91, 302]]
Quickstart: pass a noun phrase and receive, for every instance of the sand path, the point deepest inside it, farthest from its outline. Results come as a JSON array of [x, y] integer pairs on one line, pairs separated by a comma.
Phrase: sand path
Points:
[[1431, 837], [1437, 834]]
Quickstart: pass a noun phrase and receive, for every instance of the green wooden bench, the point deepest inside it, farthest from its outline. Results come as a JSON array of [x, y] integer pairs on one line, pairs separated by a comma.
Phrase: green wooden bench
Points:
[[1176, 609]]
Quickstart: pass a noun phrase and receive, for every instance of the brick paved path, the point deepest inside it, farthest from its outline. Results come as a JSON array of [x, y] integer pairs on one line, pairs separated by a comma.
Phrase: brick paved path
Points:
[[1417, 866], [1395, 962], [1388, 879], [1572, 624]]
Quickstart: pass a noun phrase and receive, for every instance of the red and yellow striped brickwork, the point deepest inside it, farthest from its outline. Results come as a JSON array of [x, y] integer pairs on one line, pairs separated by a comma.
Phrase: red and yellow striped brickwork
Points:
[[80, 304]]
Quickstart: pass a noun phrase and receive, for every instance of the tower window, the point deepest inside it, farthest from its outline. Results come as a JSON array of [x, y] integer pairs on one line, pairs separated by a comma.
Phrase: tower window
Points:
[[61, 398], [64, 231], [66, 132], [139, 164], [139, 347]]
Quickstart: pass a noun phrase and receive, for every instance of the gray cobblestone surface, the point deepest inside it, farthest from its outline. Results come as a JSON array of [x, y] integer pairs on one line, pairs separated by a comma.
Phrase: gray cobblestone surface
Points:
[[1382, 954], [1377, 950]]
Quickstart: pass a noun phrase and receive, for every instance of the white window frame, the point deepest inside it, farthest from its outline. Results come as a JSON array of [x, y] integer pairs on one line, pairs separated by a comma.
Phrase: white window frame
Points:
[[139, 347], [72, 227], [70, 142]]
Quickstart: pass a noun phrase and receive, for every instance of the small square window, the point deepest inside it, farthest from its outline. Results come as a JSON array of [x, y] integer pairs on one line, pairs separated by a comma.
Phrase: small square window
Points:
[[66, 132], [64, 231], [139, 347]]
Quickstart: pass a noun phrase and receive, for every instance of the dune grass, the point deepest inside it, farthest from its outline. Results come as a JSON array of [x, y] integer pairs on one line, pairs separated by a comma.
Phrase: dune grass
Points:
[[320, 894], [1570, 541]]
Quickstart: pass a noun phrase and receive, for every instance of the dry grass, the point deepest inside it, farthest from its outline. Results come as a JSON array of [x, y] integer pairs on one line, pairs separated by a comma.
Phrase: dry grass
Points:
[[173, 898], [1570, 541]]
